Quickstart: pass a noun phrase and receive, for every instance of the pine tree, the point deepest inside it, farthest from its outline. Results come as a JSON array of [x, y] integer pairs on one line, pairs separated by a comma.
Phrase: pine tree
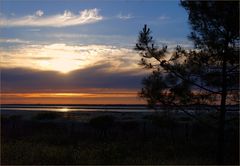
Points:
[[207, 74]]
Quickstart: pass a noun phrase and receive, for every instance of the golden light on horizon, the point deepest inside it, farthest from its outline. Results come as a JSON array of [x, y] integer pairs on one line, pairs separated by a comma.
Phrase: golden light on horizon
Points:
[[71, 98], [65, 109], [67, 95]]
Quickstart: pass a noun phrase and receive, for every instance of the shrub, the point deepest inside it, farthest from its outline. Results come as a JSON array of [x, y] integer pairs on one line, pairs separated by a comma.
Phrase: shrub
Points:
[[164, 121], [46, 116], [102, 122], [15, 117], [130, 125]]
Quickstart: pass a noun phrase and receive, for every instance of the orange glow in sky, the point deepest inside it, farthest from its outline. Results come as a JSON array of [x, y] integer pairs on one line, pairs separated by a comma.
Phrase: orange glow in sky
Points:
[[71, 98]]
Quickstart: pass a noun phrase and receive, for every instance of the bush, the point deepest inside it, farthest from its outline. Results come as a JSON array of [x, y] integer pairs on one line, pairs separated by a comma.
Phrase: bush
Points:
[[15, 117], [164, 121], [102, 122], [130, 125], [46, 116]]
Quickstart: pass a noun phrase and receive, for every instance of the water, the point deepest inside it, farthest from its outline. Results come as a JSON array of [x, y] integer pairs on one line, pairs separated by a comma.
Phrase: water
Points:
[[77, 108], [102, 108]]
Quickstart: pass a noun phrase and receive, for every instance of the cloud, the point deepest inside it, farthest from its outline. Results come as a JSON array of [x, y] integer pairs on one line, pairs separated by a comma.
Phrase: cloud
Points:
[[65, 58], [16, 40], [163, 17], [95, 77], [173, 43], [39, 13], [20, 85], [126, 41], [68, 18], [34, 30], [124, 17]]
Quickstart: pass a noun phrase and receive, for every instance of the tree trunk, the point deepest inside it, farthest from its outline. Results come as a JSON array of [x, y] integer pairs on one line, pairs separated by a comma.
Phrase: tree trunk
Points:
[[221, 125]]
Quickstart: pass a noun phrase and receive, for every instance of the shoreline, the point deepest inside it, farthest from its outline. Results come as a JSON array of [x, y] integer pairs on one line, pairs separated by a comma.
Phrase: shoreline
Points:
[[85, 116]]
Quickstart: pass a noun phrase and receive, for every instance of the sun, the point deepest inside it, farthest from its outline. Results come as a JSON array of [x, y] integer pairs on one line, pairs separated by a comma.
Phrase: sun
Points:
[[65, 65], [64, 109], [55, 57], [62, 63]]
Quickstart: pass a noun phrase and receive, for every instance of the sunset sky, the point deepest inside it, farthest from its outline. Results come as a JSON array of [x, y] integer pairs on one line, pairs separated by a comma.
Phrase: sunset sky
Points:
[[72, 52]]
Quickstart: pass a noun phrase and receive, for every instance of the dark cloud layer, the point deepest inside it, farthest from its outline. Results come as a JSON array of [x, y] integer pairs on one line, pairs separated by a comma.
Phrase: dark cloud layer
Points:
[[29, 80]]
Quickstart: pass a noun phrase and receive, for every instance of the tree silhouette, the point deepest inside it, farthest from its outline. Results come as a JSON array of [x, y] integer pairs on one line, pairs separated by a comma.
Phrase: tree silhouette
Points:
[[208, 74]]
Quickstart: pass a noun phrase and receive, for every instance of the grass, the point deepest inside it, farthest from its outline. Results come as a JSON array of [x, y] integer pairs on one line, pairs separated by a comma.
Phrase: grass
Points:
[[131, 142], [114, 152]]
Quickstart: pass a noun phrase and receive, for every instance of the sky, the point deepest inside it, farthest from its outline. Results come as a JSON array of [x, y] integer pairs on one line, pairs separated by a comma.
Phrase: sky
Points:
[[81, 52]]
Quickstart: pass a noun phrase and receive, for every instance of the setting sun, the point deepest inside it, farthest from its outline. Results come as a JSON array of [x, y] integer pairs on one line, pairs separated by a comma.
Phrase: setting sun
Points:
[[65, 109]]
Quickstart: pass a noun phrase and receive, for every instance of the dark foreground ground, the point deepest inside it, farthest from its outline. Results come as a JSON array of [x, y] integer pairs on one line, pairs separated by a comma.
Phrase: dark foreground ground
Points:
[[114, 138]]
